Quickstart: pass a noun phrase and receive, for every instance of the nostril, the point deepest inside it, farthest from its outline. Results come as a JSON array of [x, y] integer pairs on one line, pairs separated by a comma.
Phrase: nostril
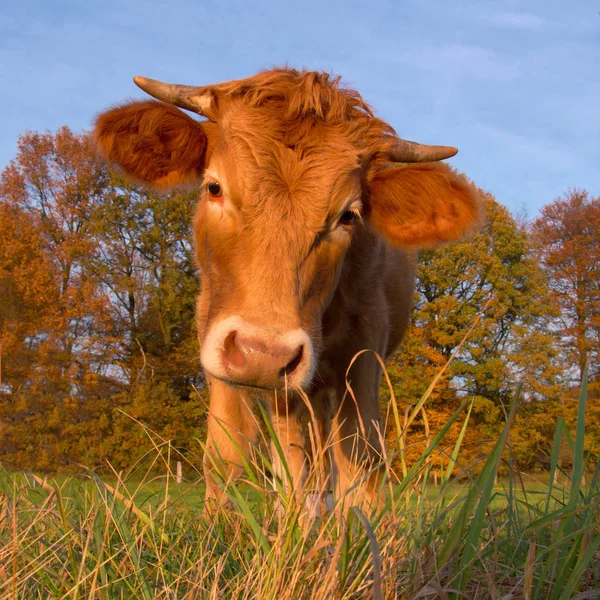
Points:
[[293, 364], [231, 352]]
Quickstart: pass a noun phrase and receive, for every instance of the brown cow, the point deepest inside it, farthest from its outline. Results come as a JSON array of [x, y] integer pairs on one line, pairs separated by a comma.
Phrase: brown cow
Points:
[[306, 231]]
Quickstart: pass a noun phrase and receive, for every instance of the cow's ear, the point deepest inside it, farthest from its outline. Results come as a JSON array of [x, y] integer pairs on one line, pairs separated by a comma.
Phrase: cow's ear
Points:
[[421, 205], [154, 143]]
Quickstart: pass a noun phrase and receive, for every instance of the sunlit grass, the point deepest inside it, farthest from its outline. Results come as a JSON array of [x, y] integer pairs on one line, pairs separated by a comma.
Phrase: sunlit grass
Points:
[[139, 535]]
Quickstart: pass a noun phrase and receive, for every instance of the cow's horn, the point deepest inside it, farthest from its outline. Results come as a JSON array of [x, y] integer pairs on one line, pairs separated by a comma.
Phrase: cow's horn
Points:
[[411, 152], [196, 99]]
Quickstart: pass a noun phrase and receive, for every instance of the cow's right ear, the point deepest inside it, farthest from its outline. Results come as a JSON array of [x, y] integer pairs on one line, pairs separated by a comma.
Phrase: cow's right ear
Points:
[[152, 142]]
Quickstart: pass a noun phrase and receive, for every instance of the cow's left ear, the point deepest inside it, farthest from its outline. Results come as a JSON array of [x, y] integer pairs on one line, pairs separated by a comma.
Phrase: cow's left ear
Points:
[[420, 205]]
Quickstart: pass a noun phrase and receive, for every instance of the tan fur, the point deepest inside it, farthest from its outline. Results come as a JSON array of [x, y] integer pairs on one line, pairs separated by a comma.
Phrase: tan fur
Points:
[[293, 151]]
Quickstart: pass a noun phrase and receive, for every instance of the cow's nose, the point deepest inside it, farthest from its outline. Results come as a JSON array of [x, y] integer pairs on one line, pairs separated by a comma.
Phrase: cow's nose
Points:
[[250, 360], [242, 353]]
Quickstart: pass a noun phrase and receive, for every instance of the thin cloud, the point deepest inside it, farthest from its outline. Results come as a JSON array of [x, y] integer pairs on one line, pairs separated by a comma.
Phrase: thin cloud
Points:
[[455, 61], [518, 20], [529, 148]]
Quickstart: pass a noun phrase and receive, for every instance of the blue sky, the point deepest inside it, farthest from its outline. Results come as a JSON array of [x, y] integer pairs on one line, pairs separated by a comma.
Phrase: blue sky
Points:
[[515, 85]]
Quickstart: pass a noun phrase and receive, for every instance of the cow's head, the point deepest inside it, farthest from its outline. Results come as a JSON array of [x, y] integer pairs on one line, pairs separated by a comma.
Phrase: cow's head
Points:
[[291, 169]]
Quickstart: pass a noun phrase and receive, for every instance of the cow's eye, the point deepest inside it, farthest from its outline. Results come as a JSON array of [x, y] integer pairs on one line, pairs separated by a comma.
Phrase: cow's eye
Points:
[[348, 217], [214, 189]]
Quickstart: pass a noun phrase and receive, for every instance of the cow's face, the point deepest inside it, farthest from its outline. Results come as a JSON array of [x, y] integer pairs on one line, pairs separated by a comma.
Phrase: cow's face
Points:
[[282, 196]]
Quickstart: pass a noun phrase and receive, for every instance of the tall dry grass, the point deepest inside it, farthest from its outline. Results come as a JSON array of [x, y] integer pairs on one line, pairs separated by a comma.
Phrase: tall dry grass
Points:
[[137, 535]]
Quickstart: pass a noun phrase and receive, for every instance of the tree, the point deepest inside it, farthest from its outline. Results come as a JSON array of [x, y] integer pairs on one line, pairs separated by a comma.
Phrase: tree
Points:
[[567, 238], [27, 289], [143, 259], [492, 274], [57, 180]]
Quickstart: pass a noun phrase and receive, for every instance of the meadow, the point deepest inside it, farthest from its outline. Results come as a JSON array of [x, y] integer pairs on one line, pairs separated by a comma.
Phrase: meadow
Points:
[[140, 534]]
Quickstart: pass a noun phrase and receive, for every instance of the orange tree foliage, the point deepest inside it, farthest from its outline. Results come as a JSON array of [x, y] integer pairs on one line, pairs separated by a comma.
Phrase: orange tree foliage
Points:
[[492, 274], [567, 238], [96, 311], [27, 290]]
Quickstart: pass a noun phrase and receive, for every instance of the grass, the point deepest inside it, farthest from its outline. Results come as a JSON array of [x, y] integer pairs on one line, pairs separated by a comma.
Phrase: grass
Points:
[[136, 535]]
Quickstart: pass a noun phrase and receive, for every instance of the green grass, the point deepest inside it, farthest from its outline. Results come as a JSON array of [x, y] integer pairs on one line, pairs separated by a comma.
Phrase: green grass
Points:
[[137, 535]]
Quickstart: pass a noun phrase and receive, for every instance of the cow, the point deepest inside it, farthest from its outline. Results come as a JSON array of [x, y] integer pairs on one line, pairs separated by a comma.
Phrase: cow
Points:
[[310, 213]]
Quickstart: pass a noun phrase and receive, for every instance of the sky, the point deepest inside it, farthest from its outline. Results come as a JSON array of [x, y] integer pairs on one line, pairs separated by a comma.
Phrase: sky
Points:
[[515, 85]]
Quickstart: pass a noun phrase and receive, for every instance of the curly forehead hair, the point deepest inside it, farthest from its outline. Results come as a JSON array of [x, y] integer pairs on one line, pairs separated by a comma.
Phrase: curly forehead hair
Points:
[[291, 95]]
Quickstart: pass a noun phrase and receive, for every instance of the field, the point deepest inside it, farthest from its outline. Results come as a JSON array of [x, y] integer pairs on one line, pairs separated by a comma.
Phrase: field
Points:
[[142, 535]]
